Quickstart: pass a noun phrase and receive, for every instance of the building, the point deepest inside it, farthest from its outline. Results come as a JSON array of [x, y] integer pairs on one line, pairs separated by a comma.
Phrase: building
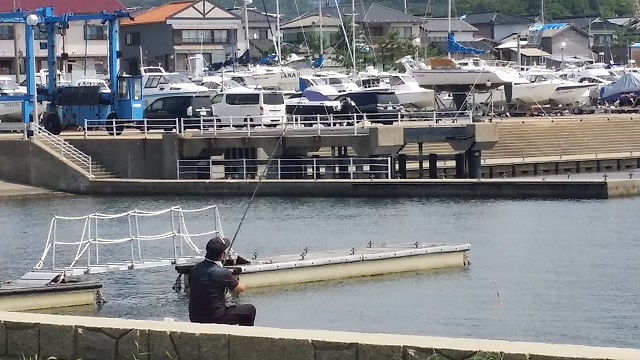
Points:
[[435, 30], [307, 27], [82, 49], [495, 25], [376, 20], [170, 34], [262, 30], [563, 42]]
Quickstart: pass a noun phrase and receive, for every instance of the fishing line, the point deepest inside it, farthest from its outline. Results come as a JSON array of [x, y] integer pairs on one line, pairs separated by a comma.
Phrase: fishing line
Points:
[[498, 294]]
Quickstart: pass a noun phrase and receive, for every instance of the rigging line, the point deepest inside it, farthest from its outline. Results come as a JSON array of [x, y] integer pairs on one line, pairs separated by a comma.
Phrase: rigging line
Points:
[[304, 35], [255, 191]]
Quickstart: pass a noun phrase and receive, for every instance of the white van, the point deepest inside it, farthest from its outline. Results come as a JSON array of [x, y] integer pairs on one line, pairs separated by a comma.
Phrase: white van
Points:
[[242, 107]]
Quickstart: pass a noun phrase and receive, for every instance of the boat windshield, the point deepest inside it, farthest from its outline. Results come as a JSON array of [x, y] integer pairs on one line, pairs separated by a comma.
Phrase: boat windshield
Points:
[[396, 81], [177, 78], [8, 84], [245, 80]]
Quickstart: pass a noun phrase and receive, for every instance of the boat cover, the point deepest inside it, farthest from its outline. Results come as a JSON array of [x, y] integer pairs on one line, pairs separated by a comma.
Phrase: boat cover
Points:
[[628, 83], [454, 47]]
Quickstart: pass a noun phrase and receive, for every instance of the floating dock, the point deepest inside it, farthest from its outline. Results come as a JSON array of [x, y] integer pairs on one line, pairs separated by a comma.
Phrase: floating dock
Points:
[[32, 292], [338, 264]]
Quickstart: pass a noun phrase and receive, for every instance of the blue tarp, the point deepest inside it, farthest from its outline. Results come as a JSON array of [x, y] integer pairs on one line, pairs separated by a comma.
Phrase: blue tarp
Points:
[[554, 26], [453, 47], [627, 84], [318, 63], [267, 60]]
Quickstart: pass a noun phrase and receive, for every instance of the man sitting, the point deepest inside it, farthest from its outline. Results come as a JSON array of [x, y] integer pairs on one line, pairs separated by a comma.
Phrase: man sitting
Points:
[[208, 283]]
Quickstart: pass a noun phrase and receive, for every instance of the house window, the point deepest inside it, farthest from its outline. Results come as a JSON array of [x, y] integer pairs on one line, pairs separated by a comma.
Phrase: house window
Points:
[[220, 36], [132, 38], [405, 32], [6, 32], [263, 34], [182, 61], [95, 32], [602, 39]]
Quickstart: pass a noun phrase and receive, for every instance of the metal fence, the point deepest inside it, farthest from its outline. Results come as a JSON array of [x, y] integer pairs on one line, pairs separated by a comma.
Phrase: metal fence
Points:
[[63, 148], [250, 126], [315, 168]]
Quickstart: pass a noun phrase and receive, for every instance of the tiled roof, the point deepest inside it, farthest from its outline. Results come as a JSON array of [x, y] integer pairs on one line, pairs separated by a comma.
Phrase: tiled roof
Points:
[[255, 16], [442, 24], [372, 14], [494, 17], [158, 14], [64, 6], [311, 19]]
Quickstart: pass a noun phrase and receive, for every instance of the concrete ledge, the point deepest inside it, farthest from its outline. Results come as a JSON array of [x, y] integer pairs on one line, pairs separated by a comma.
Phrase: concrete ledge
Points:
[[73, 337], [457, 188]]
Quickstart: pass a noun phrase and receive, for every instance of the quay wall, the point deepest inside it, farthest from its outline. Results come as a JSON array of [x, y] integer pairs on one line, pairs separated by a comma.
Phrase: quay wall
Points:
[[25, 336], [130, 158], [445, 188], [25, 162]]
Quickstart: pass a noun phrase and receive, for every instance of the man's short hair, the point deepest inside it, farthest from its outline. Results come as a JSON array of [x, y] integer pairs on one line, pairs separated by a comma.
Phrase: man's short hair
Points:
[[216, 247]]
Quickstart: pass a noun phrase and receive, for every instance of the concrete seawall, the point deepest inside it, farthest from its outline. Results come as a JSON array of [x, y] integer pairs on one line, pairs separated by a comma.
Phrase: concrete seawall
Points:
[[70, 337], [462, 188]]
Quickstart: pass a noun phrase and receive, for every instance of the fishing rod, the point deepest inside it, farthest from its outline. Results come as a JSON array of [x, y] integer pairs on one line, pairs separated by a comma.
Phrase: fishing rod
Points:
[[255, 191]]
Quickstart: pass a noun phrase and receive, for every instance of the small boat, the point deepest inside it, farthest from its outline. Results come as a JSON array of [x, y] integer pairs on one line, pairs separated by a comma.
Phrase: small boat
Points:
[[10, 111], [158, 83]]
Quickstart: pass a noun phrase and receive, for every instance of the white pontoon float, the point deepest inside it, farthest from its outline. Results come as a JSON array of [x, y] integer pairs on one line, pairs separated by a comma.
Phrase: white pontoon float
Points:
[[139, 239]]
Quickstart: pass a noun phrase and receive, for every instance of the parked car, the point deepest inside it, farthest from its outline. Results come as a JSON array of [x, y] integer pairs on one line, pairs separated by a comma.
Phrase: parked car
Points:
[[188, 109], [242, 107], [376, 106]]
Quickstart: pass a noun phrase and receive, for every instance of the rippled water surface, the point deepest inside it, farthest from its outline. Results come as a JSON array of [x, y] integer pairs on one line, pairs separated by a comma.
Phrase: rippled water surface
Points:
[[552, 271]]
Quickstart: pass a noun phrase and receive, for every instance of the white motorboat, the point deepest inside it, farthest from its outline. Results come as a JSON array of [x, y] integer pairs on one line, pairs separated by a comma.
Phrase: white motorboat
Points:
[[523, 93], [10, 111], [218, 84], [159, 83], [329, 84], [410, 93], [447, 75], [276, 77], [567, 93]]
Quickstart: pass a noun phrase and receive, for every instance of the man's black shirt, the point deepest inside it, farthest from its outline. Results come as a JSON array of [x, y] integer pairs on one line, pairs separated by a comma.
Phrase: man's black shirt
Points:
[[208, 282]]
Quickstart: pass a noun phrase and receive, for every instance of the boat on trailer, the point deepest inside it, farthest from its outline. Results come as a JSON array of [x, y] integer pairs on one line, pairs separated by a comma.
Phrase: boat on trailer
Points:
[[139, 239]]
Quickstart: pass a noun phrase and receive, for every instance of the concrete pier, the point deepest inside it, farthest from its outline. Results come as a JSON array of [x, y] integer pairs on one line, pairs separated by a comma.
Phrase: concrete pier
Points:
[[437, 188], [42, 336]]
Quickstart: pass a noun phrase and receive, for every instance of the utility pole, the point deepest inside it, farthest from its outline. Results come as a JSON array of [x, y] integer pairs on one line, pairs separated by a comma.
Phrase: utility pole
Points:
[[16, 47], [320, 20], [405, 6]]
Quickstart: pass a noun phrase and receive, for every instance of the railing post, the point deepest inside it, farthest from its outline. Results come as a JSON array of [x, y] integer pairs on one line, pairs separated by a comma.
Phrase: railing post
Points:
[[90, 166], [145, 128], [279, 170], [351, 168], [86, 124], [434, 116], [314, 169], [244, 169], [389, 172], [178, 168]]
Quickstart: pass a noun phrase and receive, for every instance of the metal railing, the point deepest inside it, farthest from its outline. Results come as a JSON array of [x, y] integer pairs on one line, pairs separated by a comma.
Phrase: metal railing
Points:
[[356, 124], [63, 148], [285, 169]]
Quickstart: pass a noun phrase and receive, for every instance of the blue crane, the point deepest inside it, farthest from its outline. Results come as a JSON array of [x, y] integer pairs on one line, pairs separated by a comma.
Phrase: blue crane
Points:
[[124, 101]]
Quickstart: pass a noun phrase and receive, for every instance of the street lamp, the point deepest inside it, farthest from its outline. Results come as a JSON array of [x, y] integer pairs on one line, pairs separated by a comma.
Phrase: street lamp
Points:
[[32, 20], [562, 46]]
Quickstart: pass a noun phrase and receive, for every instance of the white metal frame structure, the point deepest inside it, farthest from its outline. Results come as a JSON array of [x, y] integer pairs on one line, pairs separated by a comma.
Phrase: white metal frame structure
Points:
[[184, 247]]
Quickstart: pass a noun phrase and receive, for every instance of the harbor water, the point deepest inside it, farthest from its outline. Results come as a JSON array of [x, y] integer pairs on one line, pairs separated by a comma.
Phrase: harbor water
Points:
[[549, 271]]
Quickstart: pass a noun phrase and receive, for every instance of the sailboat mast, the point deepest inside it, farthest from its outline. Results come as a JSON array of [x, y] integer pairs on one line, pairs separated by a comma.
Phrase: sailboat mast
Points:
[[279, 41], [542, 12], [448, 26], [320, 20], [353, 34], [246, 28]]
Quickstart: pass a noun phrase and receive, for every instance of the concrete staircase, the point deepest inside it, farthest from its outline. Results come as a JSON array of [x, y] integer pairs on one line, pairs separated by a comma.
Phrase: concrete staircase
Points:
[[543, 138], [71, 155]]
